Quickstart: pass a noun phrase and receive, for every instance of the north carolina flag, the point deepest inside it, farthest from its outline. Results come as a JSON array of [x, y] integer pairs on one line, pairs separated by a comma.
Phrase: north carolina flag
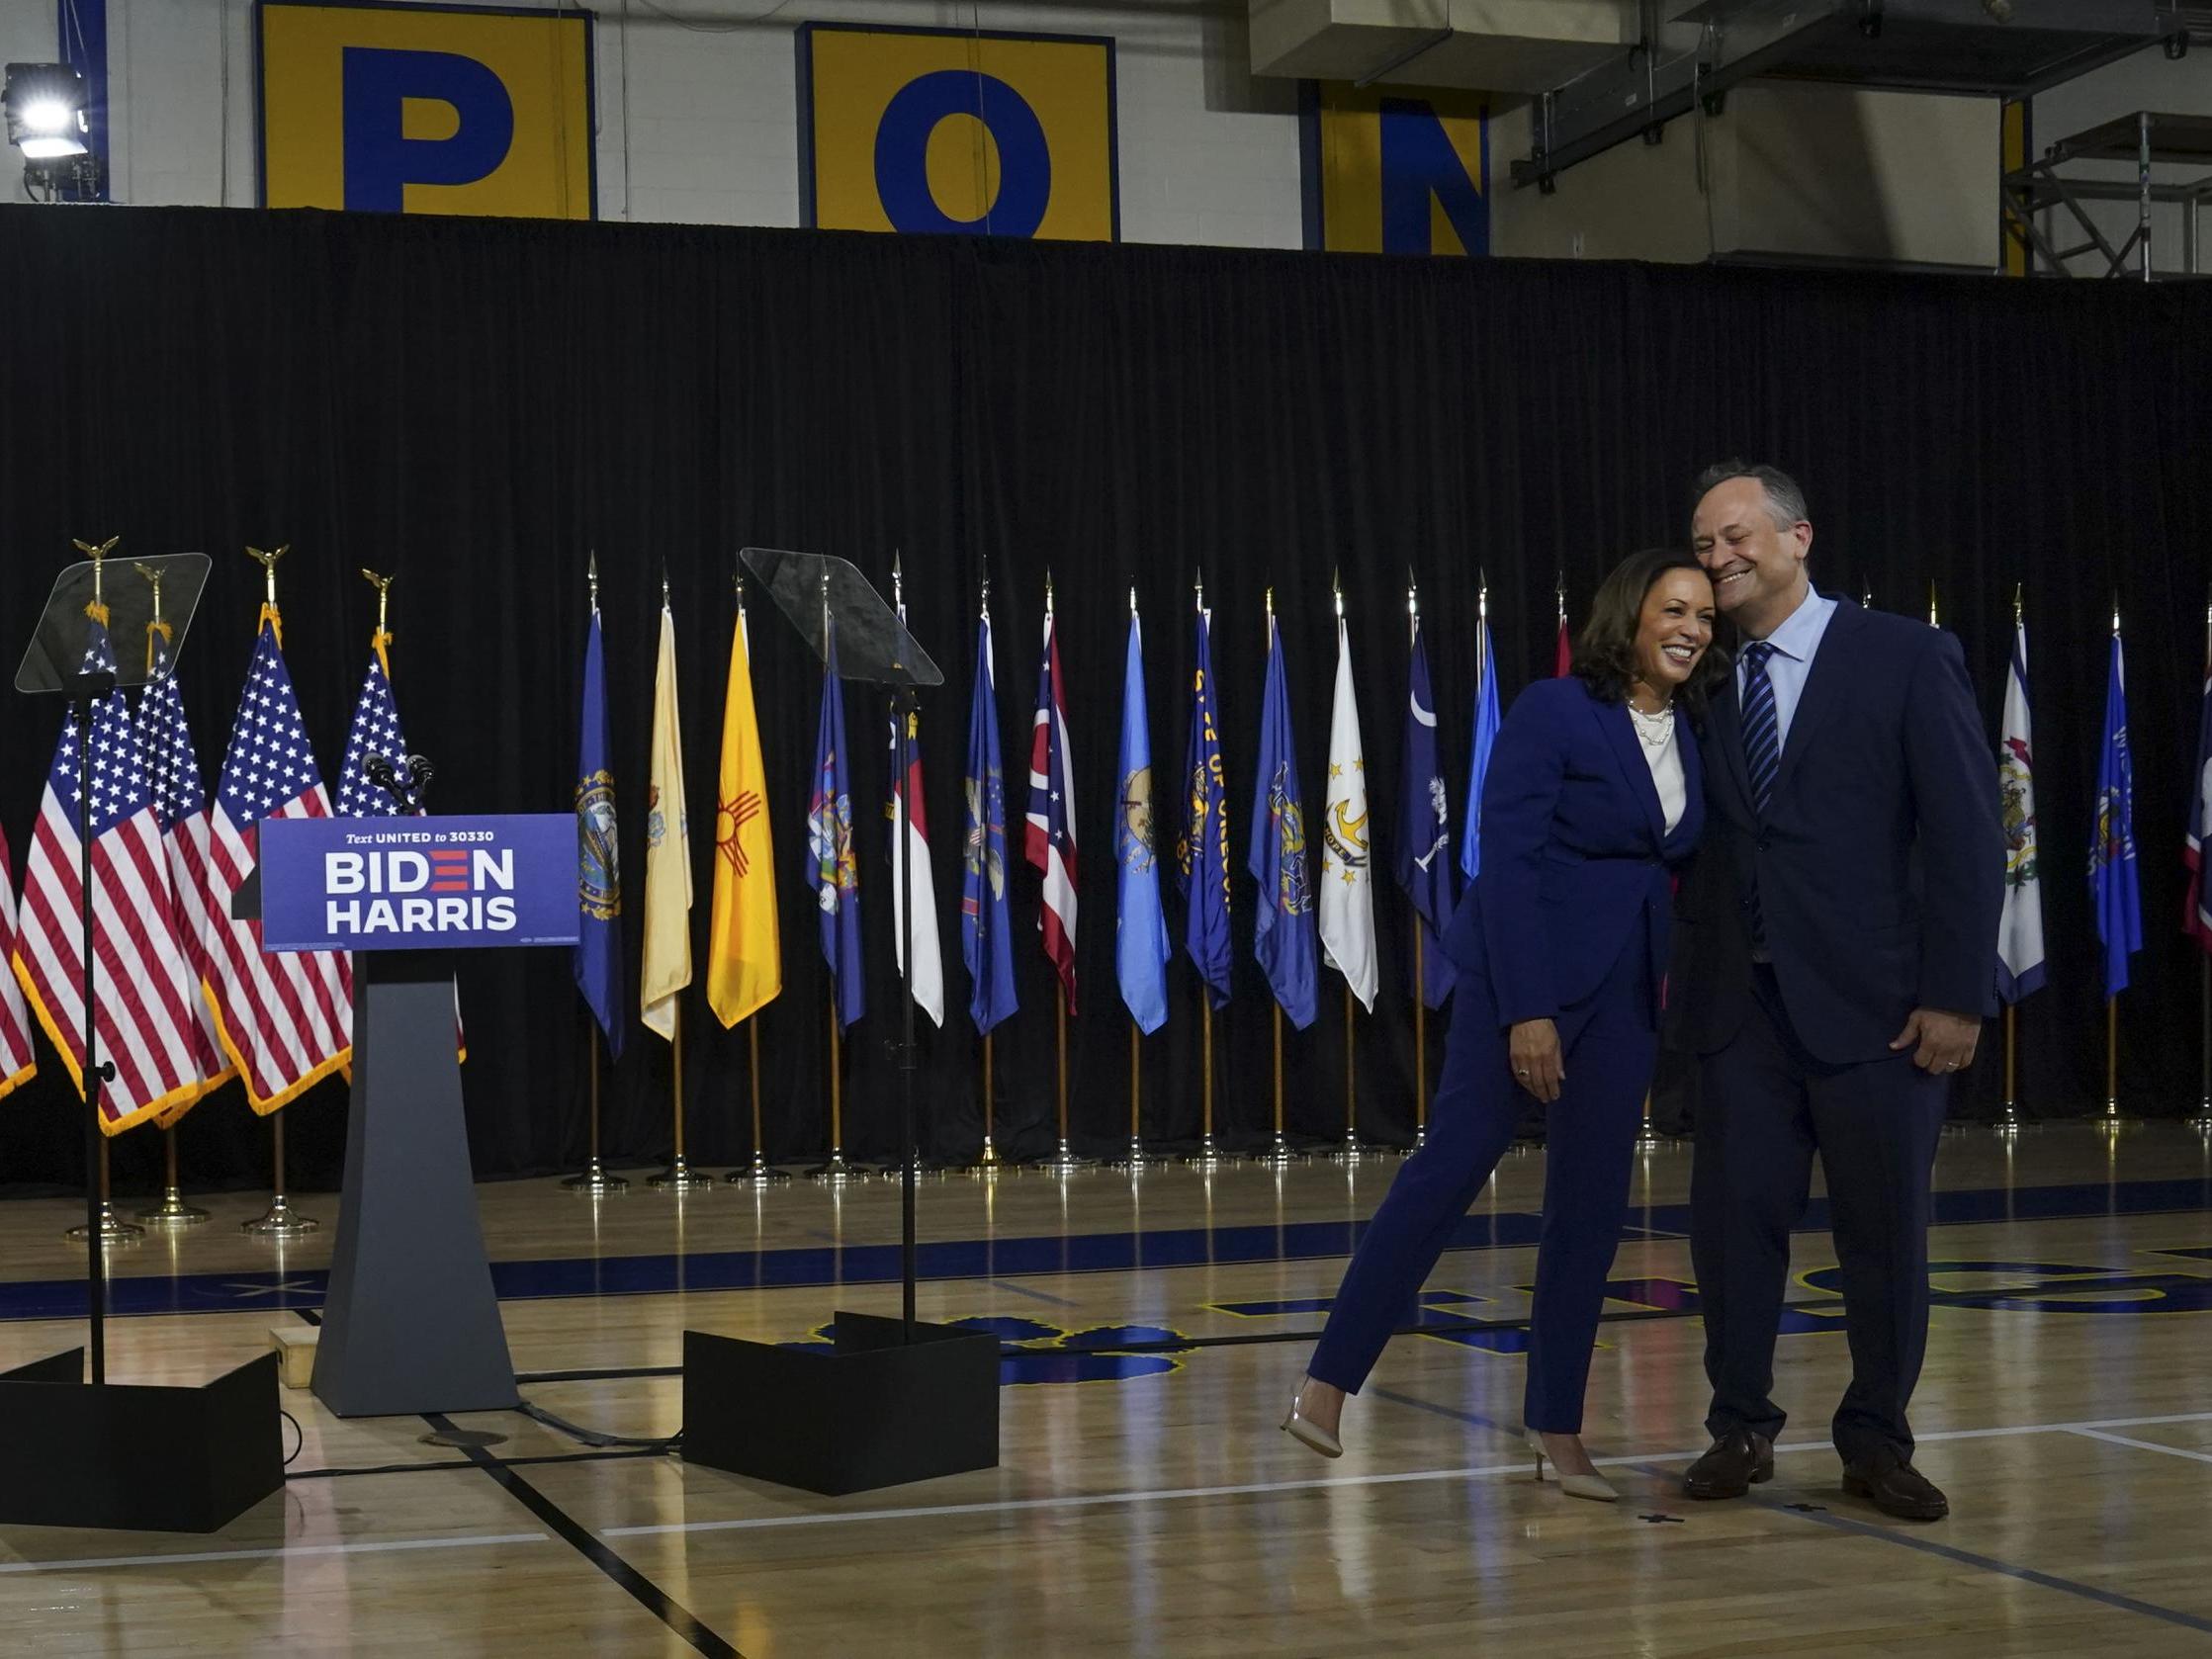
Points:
[[744, 947], [666, 968]]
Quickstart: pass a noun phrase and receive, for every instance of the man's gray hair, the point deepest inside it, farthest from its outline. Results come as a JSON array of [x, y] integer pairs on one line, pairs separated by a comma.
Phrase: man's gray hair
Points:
[[1784, 499]]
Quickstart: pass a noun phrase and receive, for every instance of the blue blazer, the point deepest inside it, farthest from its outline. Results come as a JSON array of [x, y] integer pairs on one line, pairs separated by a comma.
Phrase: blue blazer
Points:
[[1880, 862], [1575, 856]]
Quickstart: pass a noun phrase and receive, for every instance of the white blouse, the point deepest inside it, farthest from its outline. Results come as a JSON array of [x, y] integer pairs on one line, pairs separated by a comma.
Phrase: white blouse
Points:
[[1662, 752]]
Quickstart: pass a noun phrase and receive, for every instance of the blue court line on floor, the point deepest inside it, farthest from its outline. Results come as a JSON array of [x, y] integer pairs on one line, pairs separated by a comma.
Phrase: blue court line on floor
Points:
[[1967, 1558], [1001, 1258]]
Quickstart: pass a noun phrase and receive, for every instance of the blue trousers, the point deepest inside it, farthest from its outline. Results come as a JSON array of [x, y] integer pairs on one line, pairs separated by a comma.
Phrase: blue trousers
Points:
[[1589, 1151], [1767, 1105]]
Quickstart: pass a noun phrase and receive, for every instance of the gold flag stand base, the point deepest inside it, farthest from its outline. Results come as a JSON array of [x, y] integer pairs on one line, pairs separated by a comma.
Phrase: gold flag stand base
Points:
[[597, 1180], [1064, 1162], [113, 1228], [2202, 1122], [173, 1211], [1209, 1156], [836, 1168], [280, 1221], [988, 1162], [1279, 1155], [756, 1174], [679, 1177]]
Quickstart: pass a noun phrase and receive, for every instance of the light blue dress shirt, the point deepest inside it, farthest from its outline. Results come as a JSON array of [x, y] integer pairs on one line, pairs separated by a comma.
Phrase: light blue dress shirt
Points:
[[1794, 644]]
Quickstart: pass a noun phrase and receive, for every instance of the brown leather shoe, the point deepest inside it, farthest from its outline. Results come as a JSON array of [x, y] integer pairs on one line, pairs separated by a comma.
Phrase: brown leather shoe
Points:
[[1730, 1467], [1897, 1488]]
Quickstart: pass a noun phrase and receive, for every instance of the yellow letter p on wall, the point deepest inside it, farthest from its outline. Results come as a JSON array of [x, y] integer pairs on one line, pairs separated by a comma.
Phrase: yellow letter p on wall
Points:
[[426, 110]]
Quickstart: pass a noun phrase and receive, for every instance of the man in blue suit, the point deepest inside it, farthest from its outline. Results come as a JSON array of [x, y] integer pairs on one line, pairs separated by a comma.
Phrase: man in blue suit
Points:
[[1833, 965]]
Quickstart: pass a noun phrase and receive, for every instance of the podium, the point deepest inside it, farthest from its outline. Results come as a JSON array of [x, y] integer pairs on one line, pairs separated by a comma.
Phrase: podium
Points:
[[410, 1322]]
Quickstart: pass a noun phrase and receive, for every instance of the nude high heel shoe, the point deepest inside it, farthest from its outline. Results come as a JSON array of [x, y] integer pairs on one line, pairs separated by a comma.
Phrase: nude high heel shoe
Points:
[[1309, 1434], [1594, 1487]]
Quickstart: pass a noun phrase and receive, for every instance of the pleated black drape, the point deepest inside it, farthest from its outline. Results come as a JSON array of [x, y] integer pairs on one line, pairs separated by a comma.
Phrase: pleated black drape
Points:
[[475, 405]]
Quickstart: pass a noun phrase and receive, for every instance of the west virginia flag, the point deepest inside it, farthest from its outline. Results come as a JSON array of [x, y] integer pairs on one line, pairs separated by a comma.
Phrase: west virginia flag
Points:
[[744, 951]]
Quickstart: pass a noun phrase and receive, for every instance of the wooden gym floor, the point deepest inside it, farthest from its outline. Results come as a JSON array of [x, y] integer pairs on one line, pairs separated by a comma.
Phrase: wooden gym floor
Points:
[[1146, 1504]]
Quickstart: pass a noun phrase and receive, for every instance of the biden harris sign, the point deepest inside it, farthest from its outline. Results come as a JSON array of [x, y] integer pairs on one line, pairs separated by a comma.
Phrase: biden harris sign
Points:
[[426, 110], [418, 883], [913, 130]]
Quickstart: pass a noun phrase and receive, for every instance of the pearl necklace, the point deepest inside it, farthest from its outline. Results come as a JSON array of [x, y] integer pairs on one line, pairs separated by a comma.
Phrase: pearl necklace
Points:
[[1656, 731]]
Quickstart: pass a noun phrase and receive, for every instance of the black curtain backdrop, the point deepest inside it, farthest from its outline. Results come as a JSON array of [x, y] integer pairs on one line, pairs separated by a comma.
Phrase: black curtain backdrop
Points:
[[474, 404]]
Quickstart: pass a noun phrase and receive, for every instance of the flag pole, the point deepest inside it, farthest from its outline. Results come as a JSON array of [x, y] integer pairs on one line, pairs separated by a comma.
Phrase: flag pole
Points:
[[172, 1211], [1064, 1161], [678, 1176], [2202, 1122], [281, 1220], [990, 1160], [1350, 1151], [1136, 1158], [760, 1173], [596, 1180], [1420, 955], [1648, 1137], [2010, 1121], [113, 1229], [833, 1168], [1210, 1155], [1279, 1153], [2111, 1118]]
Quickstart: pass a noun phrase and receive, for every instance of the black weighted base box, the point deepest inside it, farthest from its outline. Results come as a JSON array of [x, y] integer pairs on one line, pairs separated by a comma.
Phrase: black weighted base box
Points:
[[137, 1456], [878, 1412]]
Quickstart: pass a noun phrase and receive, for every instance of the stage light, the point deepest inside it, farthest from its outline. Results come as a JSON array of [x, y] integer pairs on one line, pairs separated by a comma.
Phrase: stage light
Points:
[[44, 108]]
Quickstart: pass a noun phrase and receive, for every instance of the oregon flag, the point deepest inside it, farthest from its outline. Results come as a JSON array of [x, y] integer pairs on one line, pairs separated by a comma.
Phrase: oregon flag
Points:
[[745, 956]]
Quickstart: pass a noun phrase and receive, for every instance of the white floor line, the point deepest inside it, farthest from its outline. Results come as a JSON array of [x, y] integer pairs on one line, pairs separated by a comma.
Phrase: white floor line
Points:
[[1092, 1500], [2143, 1445], [367, 1547]]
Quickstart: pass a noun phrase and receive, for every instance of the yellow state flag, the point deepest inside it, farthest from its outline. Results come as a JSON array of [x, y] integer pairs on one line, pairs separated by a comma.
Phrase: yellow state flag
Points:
[[667, 854], [745, 952]]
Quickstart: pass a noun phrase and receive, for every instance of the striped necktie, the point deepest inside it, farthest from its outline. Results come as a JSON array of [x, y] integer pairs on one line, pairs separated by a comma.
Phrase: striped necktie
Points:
[[1762, 726]]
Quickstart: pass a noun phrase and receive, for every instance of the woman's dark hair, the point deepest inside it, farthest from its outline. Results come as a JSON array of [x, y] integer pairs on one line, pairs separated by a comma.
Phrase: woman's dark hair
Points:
[[1605, 647]]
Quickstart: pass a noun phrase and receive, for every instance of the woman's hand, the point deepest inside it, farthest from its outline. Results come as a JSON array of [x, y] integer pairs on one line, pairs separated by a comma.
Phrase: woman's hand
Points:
[[1537, 1067]]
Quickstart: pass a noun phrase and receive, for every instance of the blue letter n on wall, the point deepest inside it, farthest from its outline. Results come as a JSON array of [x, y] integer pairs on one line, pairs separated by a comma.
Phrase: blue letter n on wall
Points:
[[381, 161], [1418, 164]]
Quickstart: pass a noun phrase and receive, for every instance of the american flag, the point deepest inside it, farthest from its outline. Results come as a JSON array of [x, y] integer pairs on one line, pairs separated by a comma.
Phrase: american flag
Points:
[[1049, 841], [143, 993], [376, 731], [287, 1019], [180, 808], [17, 1064]]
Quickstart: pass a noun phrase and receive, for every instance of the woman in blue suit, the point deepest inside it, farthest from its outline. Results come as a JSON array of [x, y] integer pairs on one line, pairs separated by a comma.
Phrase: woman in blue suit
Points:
[[1592, 795]]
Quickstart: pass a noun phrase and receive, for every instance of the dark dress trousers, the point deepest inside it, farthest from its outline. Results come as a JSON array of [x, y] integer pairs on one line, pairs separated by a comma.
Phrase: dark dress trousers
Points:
[[1568, 921], [1874, 876]]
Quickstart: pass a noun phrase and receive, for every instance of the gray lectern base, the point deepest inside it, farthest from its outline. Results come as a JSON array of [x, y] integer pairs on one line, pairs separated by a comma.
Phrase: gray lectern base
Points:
[[411, 1324]]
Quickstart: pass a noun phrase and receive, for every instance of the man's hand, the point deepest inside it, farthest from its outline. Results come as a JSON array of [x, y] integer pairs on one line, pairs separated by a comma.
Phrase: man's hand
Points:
[[1537, 1066], [1942, 1042]]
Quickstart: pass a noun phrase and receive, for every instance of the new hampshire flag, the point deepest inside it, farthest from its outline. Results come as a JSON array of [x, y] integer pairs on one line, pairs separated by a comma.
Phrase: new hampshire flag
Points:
[[2113, 887]]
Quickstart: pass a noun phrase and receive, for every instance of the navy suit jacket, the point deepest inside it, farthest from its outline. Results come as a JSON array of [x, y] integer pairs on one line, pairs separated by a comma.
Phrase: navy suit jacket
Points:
[[1880, 865], [1575, 856]]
